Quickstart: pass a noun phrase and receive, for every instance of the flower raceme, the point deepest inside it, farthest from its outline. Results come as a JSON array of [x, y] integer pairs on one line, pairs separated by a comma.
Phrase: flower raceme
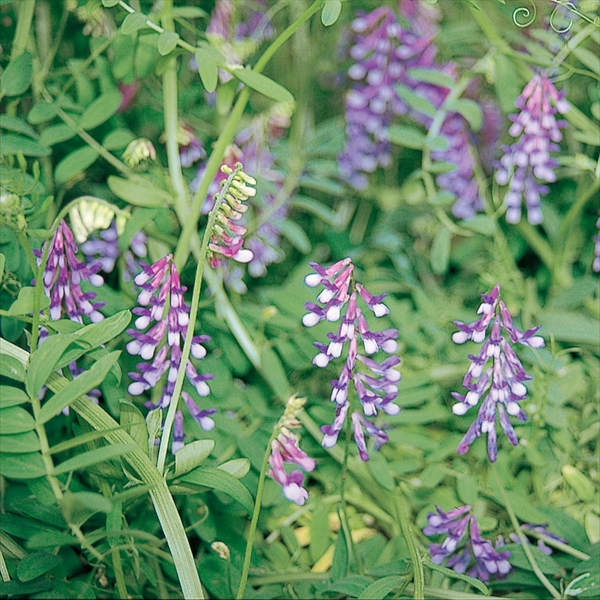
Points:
[[377, 384], [163, 309], [455, 524], [500, 385], [63, 275], [538, 133]]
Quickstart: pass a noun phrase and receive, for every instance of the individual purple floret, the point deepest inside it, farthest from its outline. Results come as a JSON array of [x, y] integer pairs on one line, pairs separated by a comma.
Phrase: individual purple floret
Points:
[[191, 149], [596, 265], [161, 343], [455, 524], [528, 160], [500, 385], [376, 384], [284, 449], [63, 275], [541, 529]]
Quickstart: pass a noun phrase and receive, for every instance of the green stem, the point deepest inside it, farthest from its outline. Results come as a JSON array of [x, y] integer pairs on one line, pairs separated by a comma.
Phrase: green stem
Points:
[[541, 247], [559, 273], [185, 354], [559, 545], [26, 10], [412, 547], [171, 117], [164, 504], [255, 515], [226, 137], [524, 543]]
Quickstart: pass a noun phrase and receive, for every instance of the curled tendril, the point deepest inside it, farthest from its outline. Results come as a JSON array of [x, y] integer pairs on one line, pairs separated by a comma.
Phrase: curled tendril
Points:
[[526, 13], [572, 11]]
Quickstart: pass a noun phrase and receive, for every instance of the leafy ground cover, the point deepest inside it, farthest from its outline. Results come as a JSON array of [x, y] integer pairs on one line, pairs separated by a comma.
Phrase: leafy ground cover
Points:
[[299, 300]]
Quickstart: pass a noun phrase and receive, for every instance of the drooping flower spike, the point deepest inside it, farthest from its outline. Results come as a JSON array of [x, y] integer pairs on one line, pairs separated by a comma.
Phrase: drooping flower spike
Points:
[[284, 449], [162, 309], [227, 240], [539, 529], [376, 384], [455, 524], [528, 159], [63, 275], [500, 385]]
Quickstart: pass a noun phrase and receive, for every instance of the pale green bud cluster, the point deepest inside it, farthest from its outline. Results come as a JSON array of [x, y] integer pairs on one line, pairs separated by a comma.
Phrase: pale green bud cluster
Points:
[[137, 151], [11, 211]]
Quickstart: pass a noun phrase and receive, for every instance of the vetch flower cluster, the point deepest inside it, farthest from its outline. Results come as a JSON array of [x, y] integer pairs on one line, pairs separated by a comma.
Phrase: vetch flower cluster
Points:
[[63, 275], [539, 529], [227, 240], [500, 385], [528, 159], [388, 58], [455, 524], [377, 384], [163, 309], [284, 449]]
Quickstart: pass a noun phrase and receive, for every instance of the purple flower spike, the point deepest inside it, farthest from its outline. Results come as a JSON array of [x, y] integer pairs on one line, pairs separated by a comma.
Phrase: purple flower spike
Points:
[[377, 384], [540, 543], [160, 285], [500, 385], [528, 159], [455, 524], [63, 275]]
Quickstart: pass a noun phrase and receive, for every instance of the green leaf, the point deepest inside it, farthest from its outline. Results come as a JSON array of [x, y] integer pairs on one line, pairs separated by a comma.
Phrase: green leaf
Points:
[[94, 335], [440, 251], [481, 224], [381, 472], [382, 587], [207, 67], [470, 110], [331, 12], [352, 586], [547, 564], [19, 443], [92, 501], [11, 367], [23, 305], [134, 423], [12, 396], [274, 372], [139, 194], [56, 134], [17, 125], [443, 198], [319, 532], [110, 3], [316, 208], [101, 109], [571, 327], [339, 566], [191, 455], [296, 236], [81, 385], [118, 139], [454, 575], [15, 420], [17, 75], [75, 163], [81, 439], [26, 590], [167, 42], [81, 461], [442, 166], [431, 76], [22, 466], [36, 564], [2, 263], [43, 361], [217, 479], [133, 22], [238, 467], [506, 83], [263, 84], [415, 101], [437, 142], [189, 12], [13, 143], [409, 137], [42, 112], [51, 538]]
